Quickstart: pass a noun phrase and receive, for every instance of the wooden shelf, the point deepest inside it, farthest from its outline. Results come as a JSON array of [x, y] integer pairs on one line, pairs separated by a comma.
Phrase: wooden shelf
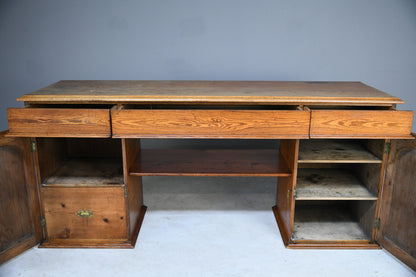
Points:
[[335, 151], [87, 172], [326, 223], [186, 162], [330, 184]]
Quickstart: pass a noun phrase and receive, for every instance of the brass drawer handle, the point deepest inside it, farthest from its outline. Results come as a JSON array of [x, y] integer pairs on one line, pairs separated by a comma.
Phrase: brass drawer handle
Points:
[[84, 213]]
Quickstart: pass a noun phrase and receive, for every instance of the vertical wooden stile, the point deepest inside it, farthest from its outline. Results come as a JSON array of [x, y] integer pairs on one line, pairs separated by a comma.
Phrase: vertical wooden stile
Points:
[[134, 201], [285, 203]]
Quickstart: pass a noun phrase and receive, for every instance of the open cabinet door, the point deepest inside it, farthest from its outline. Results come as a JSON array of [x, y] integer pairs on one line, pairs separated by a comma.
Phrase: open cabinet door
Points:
[[397, 232], [19, 217]]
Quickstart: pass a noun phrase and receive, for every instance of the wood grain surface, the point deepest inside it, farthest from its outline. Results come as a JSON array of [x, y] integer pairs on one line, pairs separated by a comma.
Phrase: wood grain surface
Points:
[[285, 202], [55, 122], [210, 123], [134, 204], [249, 92], [398, 206], [186, 162], [107, 204], [19, 206], [360, 124]]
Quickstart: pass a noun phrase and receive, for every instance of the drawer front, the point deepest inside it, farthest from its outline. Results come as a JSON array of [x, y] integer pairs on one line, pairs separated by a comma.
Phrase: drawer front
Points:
[[210, 123], [361, 124], [84, 213], [38, 122]]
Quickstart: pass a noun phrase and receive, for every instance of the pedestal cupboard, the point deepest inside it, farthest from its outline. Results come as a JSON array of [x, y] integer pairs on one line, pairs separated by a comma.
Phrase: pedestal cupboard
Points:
[[71, 162]]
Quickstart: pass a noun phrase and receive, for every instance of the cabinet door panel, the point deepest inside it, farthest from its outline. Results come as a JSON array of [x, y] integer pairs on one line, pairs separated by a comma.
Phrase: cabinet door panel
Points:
[[398, 206], [19, 217]]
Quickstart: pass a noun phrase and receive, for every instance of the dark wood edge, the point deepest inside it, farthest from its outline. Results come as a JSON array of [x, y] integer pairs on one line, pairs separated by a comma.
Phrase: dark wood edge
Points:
[[138, 226], [253, 100], [280, 225], [4, 133], [10, 253], [380, 187], [315, 110], [213, 174], [78, 243]]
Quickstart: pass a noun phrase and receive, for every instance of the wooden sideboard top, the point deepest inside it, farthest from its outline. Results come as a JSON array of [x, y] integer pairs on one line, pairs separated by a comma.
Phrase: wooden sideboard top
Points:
[[206, 92]]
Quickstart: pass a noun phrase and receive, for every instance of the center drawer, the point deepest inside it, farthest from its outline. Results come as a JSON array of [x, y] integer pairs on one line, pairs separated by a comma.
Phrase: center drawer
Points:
[[214, 123]]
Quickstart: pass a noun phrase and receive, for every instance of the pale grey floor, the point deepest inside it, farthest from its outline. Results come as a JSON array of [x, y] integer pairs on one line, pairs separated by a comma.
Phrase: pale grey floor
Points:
[[206, 227]]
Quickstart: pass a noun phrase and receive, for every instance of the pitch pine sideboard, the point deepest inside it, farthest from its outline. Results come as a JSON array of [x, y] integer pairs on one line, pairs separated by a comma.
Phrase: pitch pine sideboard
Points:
[[71, 164]]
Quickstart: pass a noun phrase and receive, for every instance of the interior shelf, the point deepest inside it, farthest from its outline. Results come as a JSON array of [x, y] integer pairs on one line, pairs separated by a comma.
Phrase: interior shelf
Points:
[[326, 223], [335, 151], [221, 162], [87, 172], [330, 184]]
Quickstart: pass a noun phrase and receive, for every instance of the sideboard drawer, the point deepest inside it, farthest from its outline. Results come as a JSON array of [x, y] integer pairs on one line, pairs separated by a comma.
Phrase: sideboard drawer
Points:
[[85, 213], [59, 122], [361, 124], [196, 123]]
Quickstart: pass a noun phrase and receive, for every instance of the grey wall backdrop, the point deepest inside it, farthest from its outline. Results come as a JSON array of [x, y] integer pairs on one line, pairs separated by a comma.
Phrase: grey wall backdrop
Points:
[[373, 41]]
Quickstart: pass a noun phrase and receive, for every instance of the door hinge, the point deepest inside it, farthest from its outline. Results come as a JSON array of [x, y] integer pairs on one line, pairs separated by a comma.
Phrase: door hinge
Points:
[[377, 223], [387, 147], [295, 193], [33, 146], [42, 222], [125, 191]]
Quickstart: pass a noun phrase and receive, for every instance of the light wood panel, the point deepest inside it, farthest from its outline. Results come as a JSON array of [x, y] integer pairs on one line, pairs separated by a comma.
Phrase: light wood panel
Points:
[[50, 122], [229, 92], [209, 124], [361, 124], [186, 162]]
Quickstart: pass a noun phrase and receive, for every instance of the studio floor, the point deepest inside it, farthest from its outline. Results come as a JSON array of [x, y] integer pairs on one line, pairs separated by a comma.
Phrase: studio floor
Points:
[[206, 227]]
